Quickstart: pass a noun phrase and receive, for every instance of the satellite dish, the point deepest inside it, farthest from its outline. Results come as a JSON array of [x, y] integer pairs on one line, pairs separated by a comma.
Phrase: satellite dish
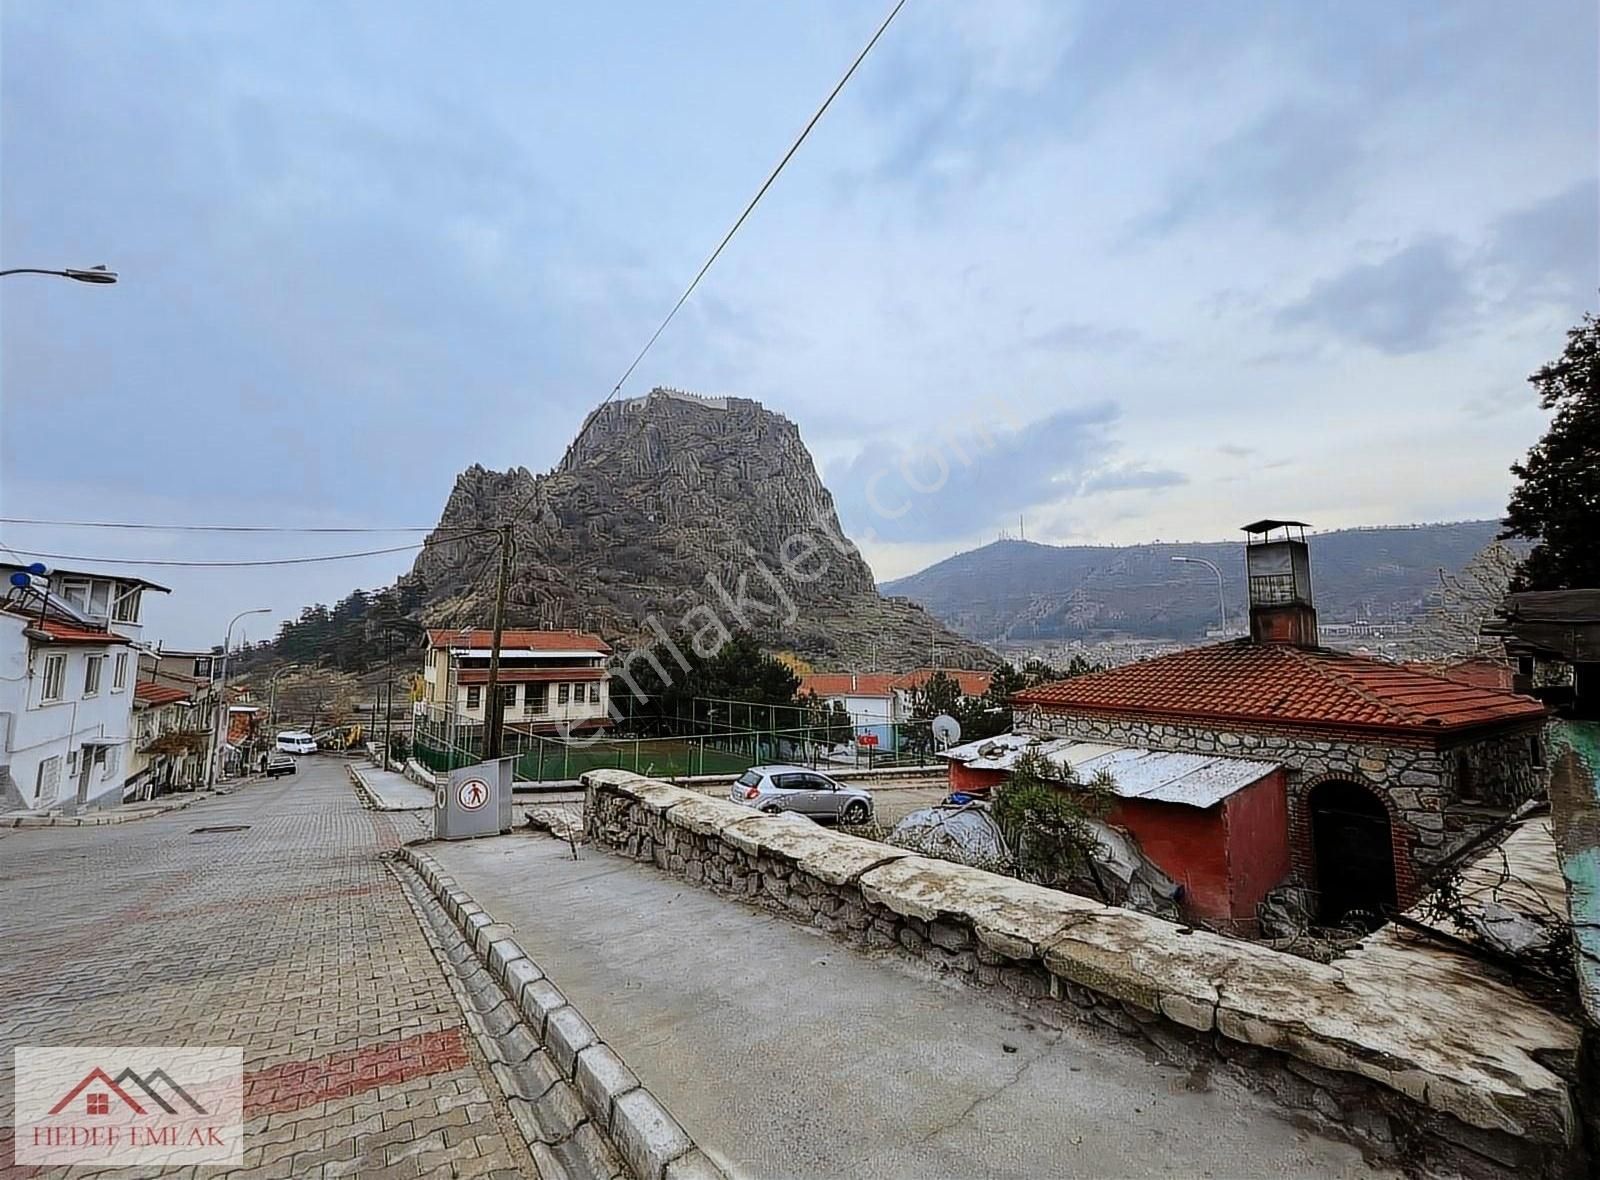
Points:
[[946, 730]]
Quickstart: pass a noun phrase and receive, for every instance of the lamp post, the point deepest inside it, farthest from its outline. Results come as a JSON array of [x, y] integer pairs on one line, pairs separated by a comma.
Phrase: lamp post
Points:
[[222, 694], [95, 274], [1222, 601]]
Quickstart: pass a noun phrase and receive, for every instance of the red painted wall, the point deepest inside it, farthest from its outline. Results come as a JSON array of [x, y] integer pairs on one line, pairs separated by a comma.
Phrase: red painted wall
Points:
[[1188, 844], [964, 778], [1226, 857], [1256, 821]]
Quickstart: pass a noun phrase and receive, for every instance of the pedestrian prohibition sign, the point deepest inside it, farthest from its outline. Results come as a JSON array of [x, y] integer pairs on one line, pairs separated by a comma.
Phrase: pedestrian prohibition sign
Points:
[[472, 794]]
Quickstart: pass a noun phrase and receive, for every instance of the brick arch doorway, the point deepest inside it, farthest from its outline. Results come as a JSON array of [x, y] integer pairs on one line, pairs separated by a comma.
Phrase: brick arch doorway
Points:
[[1353, 844]]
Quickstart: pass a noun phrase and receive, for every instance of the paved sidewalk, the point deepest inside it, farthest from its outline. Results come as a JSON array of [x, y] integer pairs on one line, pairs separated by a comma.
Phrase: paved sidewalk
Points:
[[392, 790], [291, 939], [786, 1054]]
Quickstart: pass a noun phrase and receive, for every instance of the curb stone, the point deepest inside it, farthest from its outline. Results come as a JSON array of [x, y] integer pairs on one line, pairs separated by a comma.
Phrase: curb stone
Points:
[[594, 1093]]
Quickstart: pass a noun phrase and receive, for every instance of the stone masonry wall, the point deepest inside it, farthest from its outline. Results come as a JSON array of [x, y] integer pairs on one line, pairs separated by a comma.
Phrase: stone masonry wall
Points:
[[1416, 779], [1440, 1072]]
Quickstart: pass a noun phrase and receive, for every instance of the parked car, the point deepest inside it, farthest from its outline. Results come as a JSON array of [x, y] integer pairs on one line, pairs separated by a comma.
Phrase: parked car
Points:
[[296, 741], [280, 764], [807, 792]]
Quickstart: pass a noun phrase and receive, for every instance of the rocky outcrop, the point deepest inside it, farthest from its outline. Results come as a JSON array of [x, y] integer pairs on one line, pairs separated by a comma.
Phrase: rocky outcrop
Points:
[[672, 506]]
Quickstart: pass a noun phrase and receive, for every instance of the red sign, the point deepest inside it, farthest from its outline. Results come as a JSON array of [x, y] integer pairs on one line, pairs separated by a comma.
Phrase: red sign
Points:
[[867, 739]]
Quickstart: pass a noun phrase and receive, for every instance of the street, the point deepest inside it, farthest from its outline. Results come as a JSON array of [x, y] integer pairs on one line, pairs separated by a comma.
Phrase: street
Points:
[[289, 938]]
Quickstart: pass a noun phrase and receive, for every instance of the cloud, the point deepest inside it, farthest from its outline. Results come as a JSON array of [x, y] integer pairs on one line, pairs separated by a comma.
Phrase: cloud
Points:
[[1078, 336], [1550, 250], [1404, 304], [1235, 450], [976, 475], [1293, 165]]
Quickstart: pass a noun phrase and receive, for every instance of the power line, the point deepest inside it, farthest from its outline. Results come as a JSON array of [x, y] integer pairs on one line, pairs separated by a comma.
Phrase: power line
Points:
[[205, 528], [728, 237], [755, 200], [262, 562]]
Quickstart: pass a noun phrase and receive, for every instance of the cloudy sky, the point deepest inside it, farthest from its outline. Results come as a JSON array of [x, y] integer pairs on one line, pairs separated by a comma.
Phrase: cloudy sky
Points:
[[1124, 270]]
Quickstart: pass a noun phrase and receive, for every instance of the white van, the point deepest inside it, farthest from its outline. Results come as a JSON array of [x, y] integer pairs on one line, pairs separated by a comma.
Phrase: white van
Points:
[[297, 741]]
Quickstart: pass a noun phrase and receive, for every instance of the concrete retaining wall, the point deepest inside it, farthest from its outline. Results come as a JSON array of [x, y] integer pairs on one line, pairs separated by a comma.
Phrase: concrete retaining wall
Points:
[[1431, 1065]]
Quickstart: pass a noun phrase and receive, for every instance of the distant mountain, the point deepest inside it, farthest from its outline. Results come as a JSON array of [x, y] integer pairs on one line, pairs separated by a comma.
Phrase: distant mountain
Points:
[[1021, 591]]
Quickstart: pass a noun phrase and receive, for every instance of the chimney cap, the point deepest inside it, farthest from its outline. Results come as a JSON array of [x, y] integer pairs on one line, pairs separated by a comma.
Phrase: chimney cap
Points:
[[1266, 526]]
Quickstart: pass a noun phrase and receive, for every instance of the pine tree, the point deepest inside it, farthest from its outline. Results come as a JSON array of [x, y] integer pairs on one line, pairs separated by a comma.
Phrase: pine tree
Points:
[[1556, 502]]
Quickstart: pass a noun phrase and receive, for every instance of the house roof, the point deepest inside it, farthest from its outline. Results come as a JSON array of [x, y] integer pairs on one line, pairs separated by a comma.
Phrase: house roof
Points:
[[1159, 776], [518, 639], [53, 629], [885, 684], [972, 683], [1290, 686], [148, 692], [1485, 673], [56, 572], [849, 684]]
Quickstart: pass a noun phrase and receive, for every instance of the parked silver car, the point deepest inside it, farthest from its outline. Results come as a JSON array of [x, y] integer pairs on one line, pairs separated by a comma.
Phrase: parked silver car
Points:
[[809, 792]]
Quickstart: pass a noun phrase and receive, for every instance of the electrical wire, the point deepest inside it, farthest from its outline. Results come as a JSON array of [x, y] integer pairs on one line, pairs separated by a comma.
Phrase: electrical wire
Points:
[[161, 561], [206, 528], [726, 238]]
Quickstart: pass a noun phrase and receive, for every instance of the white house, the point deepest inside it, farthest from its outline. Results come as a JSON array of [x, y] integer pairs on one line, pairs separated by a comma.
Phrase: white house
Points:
[[549, 680], [67, 671]]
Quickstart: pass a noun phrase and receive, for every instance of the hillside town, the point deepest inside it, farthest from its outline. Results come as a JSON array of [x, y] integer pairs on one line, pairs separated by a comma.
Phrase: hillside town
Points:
[[1076, 654]]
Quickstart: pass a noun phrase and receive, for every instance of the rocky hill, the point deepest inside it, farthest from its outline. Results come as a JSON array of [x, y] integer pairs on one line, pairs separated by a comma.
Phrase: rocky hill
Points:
[[1022, 591], [679, 507]]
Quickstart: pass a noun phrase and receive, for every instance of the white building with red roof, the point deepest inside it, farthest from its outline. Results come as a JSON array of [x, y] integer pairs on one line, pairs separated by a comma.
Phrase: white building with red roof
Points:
[[67, 672], [550, 681]]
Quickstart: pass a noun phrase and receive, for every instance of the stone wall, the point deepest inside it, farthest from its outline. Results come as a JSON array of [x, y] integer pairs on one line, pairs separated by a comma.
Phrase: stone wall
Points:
[[1449, 1072], [1416, 778]]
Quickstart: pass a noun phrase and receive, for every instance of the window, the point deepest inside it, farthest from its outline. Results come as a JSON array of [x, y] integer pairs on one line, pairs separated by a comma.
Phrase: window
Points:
[[594, 694], [474, 697], [125, 609], [91, 675], [109, 757], [97, 1104], [99, 599], [119, 672], [49, 780], [76, 594], [508, 696], [562, 692], [535, 699], [54, 680], [1536, 752], [202, 668]]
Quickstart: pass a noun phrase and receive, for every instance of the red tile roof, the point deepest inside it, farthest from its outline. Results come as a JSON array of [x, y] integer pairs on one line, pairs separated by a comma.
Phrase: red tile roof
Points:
[[520, 639], [63, 630], [148, 692], [971, 683], [1245, 681], [849, 684], [1479, 671]]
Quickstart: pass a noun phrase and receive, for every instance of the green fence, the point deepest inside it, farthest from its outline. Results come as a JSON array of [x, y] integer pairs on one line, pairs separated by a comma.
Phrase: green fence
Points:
[[541, 758]]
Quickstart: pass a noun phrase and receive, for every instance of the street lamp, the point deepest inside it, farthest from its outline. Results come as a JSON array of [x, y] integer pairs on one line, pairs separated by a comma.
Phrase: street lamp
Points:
[[222, 693], [95, 274], [1222, 601]]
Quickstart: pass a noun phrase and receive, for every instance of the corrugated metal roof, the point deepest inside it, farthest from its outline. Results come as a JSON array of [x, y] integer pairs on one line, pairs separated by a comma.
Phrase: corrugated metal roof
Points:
[[1194, 780]]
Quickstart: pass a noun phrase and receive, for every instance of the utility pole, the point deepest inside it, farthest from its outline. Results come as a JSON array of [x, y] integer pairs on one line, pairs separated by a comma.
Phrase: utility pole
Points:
[[388, 704], [495, 721]]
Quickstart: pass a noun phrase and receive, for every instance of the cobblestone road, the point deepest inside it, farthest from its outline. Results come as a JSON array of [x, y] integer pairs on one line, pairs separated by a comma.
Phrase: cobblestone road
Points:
[[290, 939]]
